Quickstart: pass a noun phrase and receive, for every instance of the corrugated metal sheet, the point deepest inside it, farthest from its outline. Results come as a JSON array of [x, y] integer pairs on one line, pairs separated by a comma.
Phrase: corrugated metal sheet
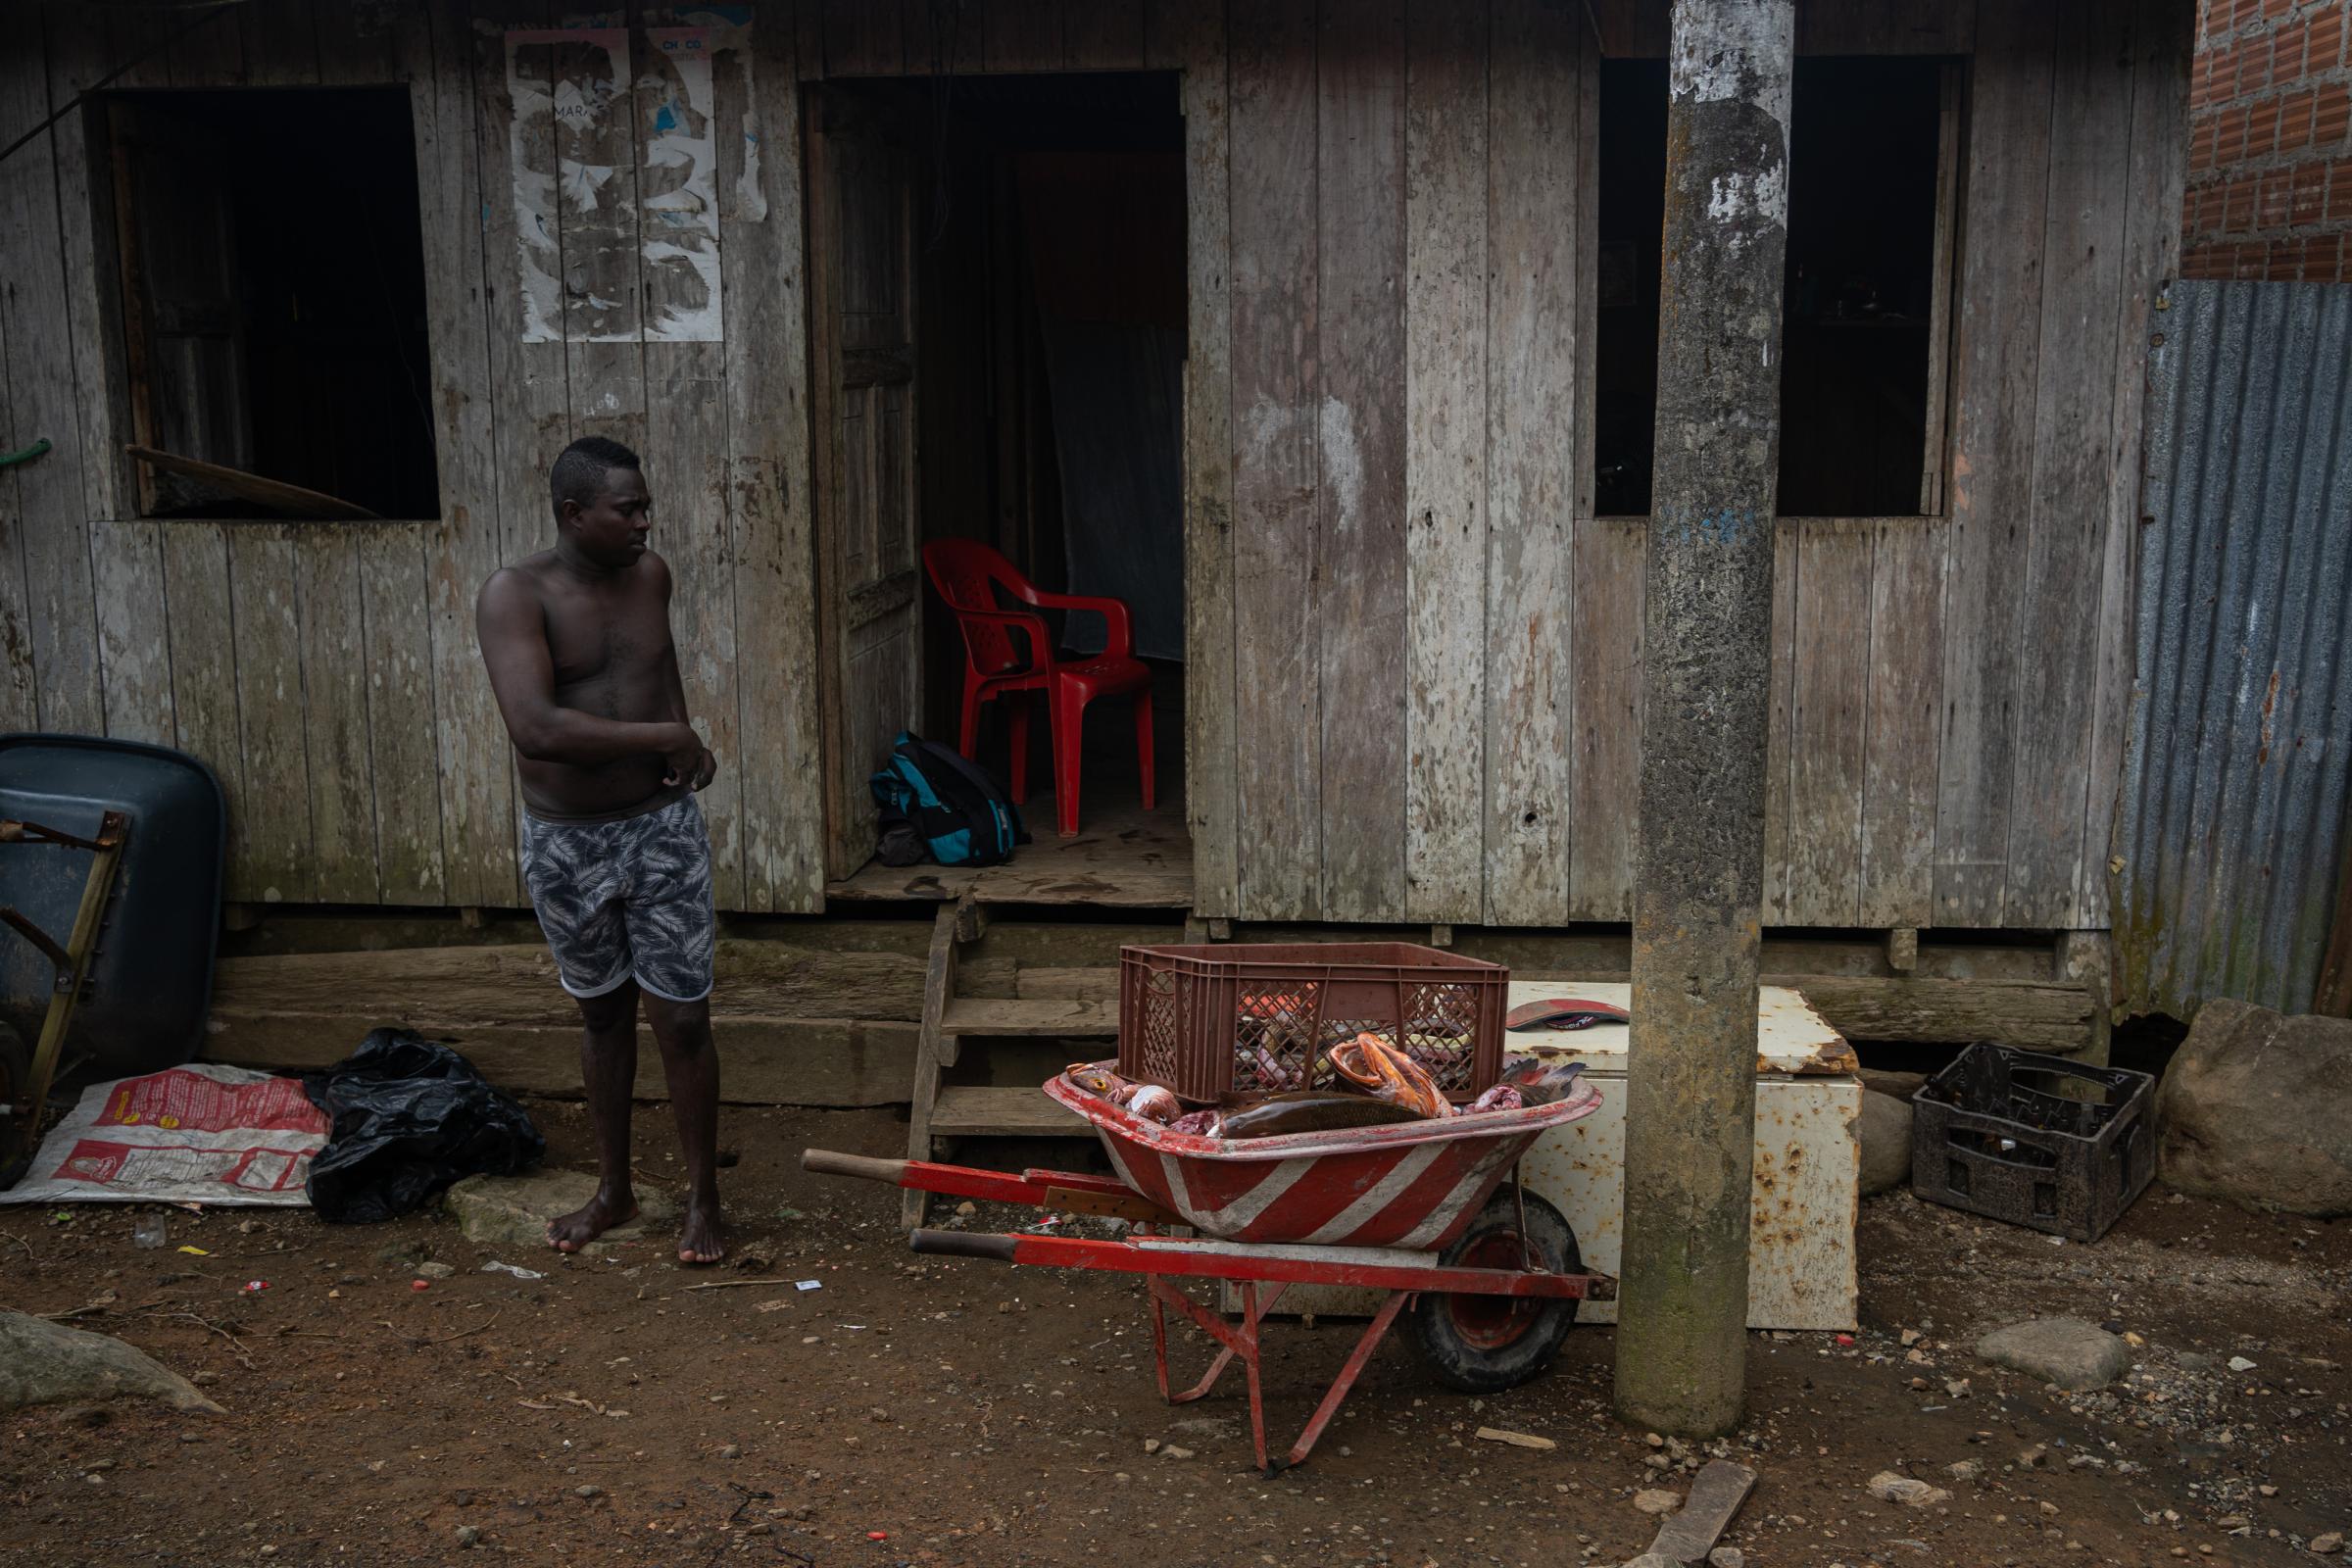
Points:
[[2233, 810]]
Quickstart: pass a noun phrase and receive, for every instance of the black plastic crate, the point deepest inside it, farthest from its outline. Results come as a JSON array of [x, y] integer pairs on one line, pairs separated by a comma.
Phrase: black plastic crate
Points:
[[2036, 1141]]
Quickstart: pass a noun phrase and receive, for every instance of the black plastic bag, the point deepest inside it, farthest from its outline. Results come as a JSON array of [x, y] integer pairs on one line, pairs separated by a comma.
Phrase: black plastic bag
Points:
[[408, 1117]]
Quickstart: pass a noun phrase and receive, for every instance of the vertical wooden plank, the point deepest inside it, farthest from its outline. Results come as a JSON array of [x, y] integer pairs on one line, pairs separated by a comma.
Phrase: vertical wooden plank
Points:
[[1588, 278], [1935, 451], [862, 38], [808, 21], [52, 365], [596, 161], [1277, 601], [212, 54], [282, 41], [523, 269], [1023, 35], [138, 40], [766, 298], [1359, 531], [1899, 757], [1994, 364], [334, 654], [1446, 460], [476, 804], [77, 58], [1534, 162], [1192, 38], [1883, 28], [203, 632], [397, 607], [942, 38], [2161, 54], [264, 598], [1609, 569], [20, 697], [1780, 725], [677, 127], [1103, 35], [360, 40], [1832, 677], [2058, 594], [125, 558], [127, 565]]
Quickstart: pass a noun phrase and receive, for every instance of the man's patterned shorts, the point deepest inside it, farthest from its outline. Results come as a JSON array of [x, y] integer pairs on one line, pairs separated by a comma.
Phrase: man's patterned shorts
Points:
[[627, 898]]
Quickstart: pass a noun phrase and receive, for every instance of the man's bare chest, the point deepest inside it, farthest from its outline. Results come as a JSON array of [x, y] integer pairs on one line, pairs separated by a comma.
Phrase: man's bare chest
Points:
[[589, 644]]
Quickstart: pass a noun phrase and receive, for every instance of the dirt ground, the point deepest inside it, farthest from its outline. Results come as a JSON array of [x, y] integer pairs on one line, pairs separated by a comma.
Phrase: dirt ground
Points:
[[956, 1412]]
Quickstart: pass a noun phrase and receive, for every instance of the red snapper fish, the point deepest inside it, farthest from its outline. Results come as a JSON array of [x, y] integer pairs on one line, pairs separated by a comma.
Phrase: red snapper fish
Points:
[[1148, 1101], [1386, 1073]]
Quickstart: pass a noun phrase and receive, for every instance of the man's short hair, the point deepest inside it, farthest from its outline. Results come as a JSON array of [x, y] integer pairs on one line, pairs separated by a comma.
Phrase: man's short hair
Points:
[[579, 472]]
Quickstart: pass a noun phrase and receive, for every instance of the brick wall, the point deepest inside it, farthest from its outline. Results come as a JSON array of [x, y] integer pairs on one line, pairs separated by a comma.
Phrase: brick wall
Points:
[[2269, 150]]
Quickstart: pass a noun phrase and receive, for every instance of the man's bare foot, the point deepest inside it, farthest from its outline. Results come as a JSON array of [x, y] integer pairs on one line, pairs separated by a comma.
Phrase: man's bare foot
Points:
[[701, 1240], [576, 1230]]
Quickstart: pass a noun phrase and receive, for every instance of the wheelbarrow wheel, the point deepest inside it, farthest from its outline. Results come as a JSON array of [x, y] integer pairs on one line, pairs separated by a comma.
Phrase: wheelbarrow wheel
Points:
[[17, 1133], [1486, 1343]]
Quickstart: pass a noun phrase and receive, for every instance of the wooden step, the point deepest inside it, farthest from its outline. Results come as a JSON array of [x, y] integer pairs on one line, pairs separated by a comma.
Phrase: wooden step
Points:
[[986, 1113], [1043, 1018], [1039, 982]]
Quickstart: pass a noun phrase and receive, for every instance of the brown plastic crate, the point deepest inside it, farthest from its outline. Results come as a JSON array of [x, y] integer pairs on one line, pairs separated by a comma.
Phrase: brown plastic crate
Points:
[[1217, 1022]]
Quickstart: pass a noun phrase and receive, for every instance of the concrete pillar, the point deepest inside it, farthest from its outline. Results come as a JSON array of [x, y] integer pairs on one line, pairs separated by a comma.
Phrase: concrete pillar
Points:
[[1690, 1083]]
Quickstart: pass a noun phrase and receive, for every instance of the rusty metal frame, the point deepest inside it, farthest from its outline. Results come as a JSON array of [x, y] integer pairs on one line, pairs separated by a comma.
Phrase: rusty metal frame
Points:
[[70, 959], [1163, 1259]]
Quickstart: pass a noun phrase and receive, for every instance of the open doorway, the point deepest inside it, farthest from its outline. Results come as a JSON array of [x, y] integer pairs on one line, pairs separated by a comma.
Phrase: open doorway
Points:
[[997, 287]]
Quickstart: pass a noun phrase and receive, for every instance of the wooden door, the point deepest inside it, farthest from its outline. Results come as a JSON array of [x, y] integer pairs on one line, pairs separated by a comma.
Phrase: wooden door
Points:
[[863, 187], [183, 326]]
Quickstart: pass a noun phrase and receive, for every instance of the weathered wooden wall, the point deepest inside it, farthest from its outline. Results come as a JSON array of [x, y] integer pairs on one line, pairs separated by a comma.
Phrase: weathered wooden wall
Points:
[[327, 672], [1415, 654], [1434, 644]]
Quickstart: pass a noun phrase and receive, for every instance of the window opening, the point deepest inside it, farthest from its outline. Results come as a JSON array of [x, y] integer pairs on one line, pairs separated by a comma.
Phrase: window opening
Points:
[[271, 270], [1866, 150]]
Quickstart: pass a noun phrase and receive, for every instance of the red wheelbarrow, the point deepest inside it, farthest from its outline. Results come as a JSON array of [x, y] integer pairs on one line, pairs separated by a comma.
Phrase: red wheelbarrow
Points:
[[1490, 1273]]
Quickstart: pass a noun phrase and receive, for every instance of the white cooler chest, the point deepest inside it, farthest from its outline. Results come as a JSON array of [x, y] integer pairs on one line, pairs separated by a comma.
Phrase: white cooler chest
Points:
[[1808, 1166]]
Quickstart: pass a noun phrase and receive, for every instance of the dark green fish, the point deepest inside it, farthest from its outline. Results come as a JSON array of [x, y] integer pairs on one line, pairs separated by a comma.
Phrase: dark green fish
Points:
[[1310, 1110]]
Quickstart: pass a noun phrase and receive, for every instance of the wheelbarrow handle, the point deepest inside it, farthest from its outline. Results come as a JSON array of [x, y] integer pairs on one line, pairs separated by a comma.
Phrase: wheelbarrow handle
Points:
[[964, 1244], [865, 1167]]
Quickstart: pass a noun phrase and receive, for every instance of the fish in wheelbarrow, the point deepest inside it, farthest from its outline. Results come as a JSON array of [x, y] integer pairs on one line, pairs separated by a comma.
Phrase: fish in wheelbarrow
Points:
[[1312, 1110], [1387, 1073], [1148, 1101], [1539, 1082]]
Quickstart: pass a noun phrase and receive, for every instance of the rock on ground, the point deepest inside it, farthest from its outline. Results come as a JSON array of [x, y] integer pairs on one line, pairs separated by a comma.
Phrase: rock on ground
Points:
[[1727, 1557], [1657, 1500], [1901, 1085], [1887, 1487], [2063, 1352], [49, 1363], [2257, 1108], [1884, 1131], [511, 1213]]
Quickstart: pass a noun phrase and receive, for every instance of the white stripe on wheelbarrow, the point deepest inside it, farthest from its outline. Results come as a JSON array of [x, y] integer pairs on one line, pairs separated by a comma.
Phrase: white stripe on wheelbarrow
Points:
[[1378, 1197], [1243, 1211], [1277, 1181], [1430, 1229]]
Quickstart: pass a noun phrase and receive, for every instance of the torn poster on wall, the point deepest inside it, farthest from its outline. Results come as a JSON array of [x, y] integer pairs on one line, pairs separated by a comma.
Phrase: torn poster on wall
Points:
[[618, 219]]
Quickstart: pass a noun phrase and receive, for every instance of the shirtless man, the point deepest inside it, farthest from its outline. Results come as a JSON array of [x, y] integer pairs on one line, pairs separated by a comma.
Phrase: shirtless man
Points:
[[615, 851]]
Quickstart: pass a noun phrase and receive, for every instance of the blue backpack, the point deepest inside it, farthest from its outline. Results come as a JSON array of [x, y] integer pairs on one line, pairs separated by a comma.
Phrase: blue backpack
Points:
[[936, 803]]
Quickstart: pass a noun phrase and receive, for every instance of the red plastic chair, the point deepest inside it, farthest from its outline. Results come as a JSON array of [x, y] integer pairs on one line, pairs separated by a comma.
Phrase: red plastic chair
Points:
[[1007, 653]]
